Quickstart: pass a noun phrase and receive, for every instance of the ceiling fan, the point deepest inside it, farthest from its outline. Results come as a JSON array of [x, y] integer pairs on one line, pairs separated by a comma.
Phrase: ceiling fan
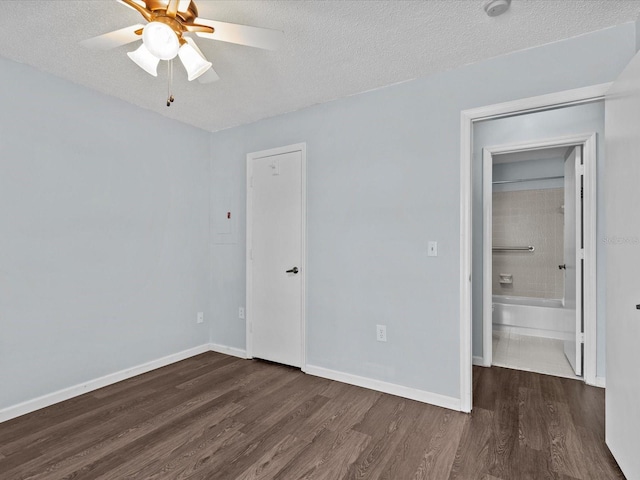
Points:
[[166, 36]]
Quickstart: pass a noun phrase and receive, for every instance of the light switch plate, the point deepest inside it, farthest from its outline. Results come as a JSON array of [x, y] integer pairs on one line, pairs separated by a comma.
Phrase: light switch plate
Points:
[[432, 250]]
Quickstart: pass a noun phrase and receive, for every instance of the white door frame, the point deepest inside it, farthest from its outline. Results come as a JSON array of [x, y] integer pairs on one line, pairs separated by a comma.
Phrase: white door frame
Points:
[[467, 118], [589, 154], [302, 148]]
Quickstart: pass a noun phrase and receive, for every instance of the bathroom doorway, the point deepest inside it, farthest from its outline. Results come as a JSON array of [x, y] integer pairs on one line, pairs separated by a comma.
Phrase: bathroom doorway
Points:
[[536, 197], [526, 123]]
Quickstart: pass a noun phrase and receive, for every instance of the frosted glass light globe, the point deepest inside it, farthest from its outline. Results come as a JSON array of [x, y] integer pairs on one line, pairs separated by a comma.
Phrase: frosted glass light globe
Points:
[[160, 40]]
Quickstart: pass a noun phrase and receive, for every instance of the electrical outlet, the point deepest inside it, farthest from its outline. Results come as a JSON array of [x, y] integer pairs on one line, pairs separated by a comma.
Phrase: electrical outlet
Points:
[[381, 333], [241, 313], [200, 317]]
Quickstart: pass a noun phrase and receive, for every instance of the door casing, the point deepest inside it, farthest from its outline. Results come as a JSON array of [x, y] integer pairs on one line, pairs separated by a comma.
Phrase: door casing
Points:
[[589, 151], [302, 148], [467, 118]]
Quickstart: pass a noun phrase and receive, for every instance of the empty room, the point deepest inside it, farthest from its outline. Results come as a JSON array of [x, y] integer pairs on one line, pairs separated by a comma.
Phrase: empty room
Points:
[[444, 285]]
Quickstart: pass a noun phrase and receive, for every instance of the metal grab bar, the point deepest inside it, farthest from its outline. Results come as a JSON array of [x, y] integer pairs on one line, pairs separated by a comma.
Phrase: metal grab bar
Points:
[[528, 248]]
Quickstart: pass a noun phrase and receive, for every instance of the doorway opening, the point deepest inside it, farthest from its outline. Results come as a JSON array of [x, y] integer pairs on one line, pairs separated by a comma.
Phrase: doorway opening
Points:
[[471, 244], [534, 255]]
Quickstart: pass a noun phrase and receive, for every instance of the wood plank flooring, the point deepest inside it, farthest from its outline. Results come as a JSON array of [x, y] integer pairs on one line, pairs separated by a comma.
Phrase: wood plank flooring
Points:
[[219, 417]]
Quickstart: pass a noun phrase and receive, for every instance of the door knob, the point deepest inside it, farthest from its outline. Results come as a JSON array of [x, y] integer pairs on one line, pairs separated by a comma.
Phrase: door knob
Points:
[[293, 270], [562, 267]]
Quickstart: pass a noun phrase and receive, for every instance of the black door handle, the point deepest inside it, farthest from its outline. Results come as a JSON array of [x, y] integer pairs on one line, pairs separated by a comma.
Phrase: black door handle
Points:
[[293, 270], [562, 267]]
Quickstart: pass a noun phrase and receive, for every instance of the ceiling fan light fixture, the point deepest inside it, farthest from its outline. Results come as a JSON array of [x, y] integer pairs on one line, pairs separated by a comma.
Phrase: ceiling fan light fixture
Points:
[[161, 40], [145, 60], [194, 63]]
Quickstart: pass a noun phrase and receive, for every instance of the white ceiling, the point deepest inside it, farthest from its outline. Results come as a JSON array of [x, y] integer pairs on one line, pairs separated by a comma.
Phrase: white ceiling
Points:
[[332, 48]]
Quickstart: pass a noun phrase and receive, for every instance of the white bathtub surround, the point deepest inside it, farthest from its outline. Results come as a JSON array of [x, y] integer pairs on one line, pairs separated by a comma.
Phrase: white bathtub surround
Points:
[[533, 354], [522, 218], [538, 317]]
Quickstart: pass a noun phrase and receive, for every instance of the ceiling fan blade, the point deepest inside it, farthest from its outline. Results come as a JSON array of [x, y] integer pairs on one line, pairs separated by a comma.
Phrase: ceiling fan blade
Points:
[[113, 39], [172, 8], [242, 34], [210, 75]]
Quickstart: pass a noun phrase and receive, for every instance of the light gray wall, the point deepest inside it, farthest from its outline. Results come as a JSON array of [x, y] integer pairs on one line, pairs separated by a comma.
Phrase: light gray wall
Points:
[[383, 179], [104, 222], [103, 235], [536, 126]]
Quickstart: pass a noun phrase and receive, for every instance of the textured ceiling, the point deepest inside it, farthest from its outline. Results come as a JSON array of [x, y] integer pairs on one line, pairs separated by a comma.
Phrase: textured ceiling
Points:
[[332, 48]]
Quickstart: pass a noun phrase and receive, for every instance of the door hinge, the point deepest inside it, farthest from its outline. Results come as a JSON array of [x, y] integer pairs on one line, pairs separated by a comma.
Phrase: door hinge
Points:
[[581, 253], [580, 338], [580, 169]]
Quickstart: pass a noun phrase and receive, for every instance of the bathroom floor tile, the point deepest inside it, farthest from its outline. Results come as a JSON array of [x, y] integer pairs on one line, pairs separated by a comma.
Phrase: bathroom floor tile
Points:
[[533, 354]]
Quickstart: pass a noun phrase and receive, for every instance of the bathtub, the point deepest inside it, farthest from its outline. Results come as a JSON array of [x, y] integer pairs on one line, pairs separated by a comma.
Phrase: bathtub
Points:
[[540, 317]]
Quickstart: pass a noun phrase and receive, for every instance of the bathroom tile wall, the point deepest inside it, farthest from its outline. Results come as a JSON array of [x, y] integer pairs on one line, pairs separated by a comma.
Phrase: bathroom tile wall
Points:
[[529, 217]]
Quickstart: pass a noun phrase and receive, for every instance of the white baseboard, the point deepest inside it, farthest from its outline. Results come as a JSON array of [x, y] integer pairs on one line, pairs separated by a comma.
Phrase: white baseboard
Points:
[[234, 352], [386, 387], [65, 394], [600, 382]]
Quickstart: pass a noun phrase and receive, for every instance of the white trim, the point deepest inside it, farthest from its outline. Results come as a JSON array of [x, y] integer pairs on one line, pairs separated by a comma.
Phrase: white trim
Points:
[[600, 382], [588, 143], [65, 394], [561, 141], [466, 374], [386, 387], [487, 257], [302, 148], [479, 361], [589, 225], [467, 117], [541, 102], [110, 379], [234, 352]]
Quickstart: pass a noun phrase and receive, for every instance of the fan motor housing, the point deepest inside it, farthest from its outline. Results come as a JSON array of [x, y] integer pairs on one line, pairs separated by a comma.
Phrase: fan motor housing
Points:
[[159, 5]]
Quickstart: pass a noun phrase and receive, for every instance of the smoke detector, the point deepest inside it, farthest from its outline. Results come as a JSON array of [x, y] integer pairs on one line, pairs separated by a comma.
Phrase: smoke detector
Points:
[[493, 8]]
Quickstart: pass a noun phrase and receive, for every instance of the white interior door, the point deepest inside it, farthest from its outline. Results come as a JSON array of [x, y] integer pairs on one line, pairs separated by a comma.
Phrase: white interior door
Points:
[[573, 257], [622, 243], [275, 269]]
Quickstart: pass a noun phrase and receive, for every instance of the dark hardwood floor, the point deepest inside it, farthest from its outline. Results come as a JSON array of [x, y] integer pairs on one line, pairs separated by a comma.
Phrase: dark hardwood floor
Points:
[[219, 417]]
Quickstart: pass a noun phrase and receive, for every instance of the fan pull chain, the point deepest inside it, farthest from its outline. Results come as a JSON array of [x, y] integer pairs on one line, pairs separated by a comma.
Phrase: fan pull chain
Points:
[[170, 83]]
